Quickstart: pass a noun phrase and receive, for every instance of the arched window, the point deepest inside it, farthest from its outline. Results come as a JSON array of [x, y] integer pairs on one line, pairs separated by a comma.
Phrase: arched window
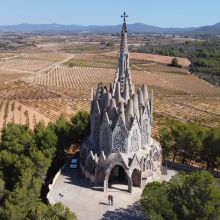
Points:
[[119, 142], [148, 165], [134, 141], [156, 156]]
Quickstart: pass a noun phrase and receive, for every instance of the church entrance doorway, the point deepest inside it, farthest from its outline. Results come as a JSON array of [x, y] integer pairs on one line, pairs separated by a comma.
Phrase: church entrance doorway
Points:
[[118, 178]]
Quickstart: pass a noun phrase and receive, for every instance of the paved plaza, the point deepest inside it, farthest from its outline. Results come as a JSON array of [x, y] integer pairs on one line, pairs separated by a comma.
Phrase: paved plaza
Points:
[[91, 203]]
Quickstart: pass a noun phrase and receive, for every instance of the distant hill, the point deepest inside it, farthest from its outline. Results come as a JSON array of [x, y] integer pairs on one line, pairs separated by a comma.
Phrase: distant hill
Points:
[[213, 29], [133, 28]]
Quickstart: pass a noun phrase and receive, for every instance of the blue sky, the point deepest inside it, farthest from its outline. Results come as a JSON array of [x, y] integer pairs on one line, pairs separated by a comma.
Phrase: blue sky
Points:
[[164, 13]]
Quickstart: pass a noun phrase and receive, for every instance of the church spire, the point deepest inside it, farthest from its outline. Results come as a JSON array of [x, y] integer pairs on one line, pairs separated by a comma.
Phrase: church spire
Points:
[[123, 74], [124, 46]]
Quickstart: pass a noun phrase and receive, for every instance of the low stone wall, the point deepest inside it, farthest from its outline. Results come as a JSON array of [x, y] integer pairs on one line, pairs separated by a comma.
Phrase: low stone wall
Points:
[[55, 179], [187, 168]]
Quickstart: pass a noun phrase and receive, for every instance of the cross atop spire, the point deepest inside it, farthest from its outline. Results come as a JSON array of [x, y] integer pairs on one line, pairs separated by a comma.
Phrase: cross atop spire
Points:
[[124, 16]]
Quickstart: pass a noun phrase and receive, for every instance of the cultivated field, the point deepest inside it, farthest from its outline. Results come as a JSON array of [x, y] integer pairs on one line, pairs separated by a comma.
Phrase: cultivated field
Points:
[[76, 78], [82, 77], [19, 90], [14, 111], [55, 75], [152, 57], [179, 96], [10, 75]]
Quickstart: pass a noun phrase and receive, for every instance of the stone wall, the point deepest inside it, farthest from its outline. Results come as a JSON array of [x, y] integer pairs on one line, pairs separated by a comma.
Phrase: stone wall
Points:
[[55, 179]]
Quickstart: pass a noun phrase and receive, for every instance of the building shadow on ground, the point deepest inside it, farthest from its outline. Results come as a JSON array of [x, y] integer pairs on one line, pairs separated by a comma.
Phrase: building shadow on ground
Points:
[[75, 177], [132, 212], [117, 188]]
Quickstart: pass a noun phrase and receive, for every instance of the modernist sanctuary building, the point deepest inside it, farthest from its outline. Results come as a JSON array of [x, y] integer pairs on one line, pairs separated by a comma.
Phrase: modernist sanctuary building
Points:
[[120, 147]]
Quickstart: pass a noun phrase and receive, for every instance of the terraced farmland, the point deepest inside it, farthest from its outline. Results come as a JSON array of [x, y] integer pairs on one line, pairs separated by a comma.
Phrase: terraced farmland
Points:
[[50, 57], [180, 111], [54, 107], [14, 111], [83, 78], [152, 58], [44, 93], [9, 75], [20, 90], [76, 77], [24, 64]]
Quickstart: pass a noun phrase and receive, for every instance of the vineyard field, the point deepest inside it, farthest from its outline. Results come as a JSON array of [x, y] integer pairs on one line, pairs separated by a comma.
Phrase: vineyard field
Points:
[[53, 75], [20, 90], [24, 64], [14, 111], [83, 78], [10, 75], [152, 57]]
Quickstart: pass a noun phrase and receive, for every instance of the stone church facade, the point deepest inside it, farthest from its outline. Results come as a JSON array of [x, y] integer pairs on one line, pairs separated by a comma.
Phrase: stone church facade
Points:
[[120, 142]]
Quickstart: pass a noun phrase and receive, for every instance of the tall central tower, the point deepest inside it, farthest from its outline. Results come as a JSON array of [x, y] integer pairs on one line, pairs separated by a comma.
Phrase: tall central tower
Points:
[[123, 82]]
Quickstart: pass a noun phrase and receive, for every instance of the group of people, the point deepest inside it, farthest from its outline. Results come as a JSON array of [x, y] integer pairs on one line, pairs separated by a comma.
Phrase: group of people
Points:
[[110, 200]]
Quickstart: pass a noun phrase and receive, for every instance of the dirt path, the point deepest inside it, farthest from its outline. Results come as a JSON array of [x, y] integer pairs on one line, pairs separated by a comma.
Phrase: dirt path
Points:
[[47, 69], [8, 58]]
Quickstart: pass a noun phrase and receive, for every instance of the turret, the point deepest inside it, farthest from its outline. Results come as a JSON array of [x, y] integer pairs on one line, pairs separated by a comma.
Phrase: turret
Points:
[[122, 111], [117, 95], [151, 106], [136, 107], [140, 98], [112, 109], [108, 99], [126, 92], [129, 113], [145, 93]]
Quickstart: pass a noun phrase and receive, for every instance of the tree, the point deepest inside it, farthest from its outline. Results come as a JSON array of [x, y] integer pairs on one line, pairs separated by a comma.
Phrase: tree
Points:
[[186, 196], [175, 63], [177, 137], [62, 130], [155, 202], [79, 126], [211, 151], [195, 196], [166, 142], [46, 139], [191, 141], [55, 212], [183, 139], [17, 138], [25, 158], [3, 192]]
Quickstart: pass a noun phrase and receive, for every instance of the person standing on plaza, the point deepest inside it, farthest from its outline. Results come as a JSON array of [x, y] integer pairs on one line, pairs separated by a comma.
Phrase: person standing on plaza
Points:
[[109, 199]]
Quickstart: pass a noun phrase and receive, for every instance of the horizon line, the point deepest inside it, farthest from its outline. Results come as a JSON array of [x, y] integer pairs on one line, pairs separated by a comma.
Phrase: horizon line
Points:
[[107, 25]]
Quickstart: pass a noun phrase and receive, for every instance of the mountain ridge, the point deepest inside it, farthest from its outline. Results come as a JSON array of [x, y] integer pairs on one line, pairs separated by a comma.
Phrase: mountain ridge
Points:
[[133, 28]]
